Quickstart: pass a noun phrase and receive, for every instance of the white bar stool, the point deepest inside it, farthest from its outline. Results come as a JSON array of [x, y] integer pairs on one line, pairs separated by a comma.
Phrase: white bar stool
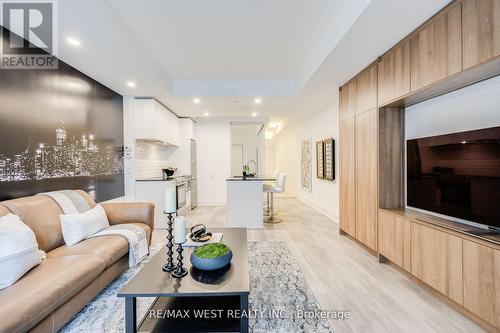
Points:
[[270, 190]]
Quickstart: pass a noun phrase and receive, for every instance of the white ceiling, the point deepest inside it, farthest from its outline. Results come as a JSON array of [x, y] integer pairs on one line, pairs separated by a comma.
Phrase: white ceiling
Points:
[[292, 53]]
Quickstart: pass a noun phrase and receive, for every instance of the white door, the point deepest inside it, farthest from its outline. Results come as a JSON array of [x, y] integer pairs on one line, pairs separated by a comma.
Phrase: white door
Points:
[[236, 160]]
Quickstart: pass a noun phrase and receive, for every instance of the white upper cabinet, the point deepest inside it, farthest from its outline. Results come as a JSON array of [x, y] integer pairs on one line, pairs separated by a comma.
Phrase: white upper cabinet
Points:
[[154, 122]]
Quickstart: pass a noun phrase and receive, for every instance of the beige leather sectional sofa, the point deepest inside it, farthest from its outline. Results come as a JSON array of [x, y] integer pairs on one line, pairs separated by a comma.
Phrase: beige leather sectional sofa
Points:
[[48, 296]]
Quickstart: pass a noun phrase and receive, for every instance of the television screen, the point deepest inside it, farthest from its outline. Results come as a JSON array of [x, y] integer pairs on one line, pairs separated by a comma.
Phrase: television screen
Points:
[[456, 175]]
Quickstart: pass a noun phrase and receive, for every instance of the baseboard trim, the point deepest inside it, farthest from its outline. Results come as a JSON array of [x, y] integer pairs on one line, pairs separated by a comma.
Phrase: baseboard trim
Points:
[[212, 203], [323, 210]]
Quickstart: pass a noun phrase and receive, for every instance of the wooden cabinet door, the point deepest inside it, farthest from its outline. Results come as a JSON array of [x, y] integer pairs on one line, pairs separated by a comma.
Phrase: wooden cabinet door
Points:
[[481, 31], [436, 50], [436, 259], [347, 177], [394, 74], [394, 240], [390, 238], [482, 281], [366, 96], [406, 242], [348, 101], [366, 178]]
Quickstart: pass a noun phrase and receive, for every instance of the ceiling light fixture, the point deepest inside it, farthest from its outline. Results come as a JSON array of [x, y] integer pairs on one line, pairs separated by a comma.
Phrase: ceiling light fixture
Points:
[[196, 101], [206, 114], [257, 101], [131, 84], [273, 125], [254, 114], [73, 41]]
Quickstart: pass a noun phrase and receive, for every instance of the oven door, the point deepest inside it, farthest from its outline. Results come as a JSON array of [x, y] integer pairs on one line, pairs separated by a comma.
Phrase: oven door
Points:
[[181, 195]]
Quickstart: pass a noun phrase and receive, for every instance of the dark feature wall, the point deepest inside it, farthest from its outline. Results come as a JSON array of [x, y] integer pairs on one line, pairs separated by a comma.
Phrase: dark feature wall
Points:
[[59, 129]]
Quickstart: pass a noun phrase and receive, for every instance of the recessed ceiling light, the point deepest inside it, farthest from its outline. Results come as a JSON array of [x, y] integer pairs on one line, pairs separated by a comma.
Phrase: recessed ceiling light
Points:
[[206, 114], [73, 41], [196, 100], [131, 84], [254, 114], [257, 101]]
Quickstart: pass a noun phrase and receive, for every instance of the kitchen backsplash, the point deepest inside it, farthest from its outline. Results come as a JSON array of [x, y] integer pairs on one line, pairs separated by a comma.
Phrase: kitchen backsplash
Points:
[[150, 159]]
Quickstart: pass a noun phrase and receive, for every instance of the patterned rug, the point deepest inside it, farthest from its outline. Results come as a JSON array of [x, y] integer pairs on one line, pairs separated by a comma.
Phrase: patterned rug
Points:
[[278, 291]]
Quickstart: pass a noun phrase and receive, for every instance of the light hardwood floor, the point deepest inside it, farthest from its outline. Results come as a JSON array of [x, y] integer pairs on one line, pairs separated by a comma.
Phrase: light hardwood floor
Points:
[[343, 276]]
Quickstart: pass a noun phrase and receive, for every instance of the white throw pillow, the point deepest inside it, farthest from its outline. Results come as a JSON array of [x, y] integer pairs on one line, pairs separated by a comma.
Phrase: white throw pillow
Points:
[[77, 227], [18, 250]]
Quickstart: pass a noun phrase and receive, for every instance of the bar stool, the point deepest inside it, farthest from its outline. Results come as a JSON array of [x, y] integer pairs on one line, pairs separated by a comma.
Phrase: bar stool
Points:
[[270, 190], [267, 187]]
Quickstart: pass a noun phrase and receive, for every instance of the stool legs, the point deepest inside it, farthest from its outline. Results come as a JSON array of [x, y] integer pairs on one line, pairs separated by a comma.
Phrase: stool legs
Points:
[[272, 218]]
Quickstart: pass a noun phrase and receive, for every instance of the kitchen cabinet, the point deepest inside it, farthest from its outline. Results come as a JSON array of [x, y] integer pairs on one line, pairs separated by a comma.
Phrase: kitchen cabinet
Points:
[[482, 281], [347, 177], [348, 94], [366, 178], [394, 73], [154, 122], [481, 31], [436, 259], [366, 90], [436, 50]]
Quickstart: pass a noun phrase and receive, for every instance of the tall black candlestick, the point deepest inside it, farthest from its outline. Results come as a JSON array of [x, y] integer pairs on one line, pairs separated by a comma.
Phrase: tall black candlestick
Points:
[[169, 266], [179, 271]]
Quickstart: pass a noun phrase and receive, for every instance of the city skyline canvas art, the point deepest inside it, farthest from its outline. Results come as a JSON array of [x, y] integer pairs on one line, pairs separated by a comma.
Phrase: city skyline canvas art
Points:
[[59, 129]]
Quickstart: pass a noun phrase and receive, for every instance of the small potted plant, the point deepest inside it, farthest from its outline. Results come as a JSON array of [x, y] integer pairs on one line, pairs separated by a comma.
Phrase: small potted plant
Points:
[[246, 171], [210, 257]]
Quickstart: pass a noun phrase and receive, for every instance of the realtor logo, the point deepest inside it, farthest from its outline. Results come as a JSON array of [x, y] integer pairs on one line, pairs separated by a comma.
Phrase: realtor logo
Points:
[[28, 38]]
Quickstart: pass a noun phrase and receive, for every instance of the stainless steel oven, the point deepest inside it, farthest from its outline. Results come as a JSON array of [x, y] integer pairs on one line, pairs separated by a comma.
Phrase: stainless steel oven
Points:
[[181, 188]]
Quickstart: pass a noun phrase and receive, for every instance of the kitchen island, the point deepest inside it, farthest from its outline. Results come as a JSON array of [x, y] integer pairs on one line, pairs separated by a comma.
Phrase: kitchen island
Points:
[[245, 201]]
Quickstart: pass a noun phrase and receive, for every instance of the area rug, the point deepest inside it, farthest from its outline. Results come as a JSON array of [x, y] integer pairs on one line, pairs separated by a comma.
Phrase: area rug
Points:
[[278, 291]]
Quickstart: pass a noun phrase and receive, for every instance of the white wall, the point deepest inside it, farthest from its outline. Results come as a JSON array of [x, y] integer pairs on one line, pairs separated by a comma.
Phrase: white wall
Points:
[[150, 158], [214, 160], [473, 107], [323, 125]]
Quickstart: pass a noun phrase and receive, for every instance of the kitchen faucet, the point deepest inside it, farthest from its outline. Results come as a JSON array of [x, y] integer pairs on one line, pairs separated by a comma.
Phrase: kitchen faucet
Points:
[[255, 164]]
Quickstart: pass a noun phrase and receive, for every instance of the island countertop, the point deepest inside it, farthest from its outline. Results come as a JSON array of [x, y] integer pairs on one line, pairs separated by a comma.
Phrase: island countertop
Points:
[[256, 178]]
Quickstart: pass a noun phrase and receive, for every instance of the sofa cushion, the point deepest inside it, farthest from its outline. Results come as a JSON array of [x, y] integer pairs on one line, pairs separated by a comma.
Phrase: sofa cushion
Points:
[[77, 227], [41, 214], [18, 250], [3, 210], [108, 248], [146, 228], [44, 289]]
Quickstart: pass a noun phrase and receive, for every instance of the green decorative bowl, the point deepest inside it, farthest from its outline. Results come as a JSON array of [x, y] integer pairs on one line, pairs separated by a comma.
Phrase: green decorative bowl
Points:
[[210, 257]]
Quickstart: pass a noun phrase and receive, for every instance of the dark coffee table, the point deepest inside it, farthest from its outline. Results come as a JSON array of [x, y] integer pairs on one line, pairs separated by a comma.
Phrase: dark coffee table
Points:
[[199, 302]]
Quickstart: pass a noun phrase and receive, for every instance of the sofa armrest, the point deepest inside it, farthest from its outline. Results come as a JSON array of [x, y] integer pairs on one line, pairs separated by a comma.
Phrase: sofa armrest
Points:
[[130, 212]]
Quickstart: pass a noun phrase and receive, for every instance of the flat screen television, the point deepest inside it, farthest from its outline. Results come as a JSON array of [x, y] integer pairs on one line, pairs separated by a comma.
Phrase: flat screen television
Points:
[[457, 175]]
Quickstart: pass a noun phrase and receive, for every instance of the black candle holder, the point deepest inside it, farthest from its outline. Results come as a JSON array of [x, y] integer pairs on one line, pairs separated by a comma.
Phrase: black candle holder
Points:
[[180, 271], [169, 266]]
